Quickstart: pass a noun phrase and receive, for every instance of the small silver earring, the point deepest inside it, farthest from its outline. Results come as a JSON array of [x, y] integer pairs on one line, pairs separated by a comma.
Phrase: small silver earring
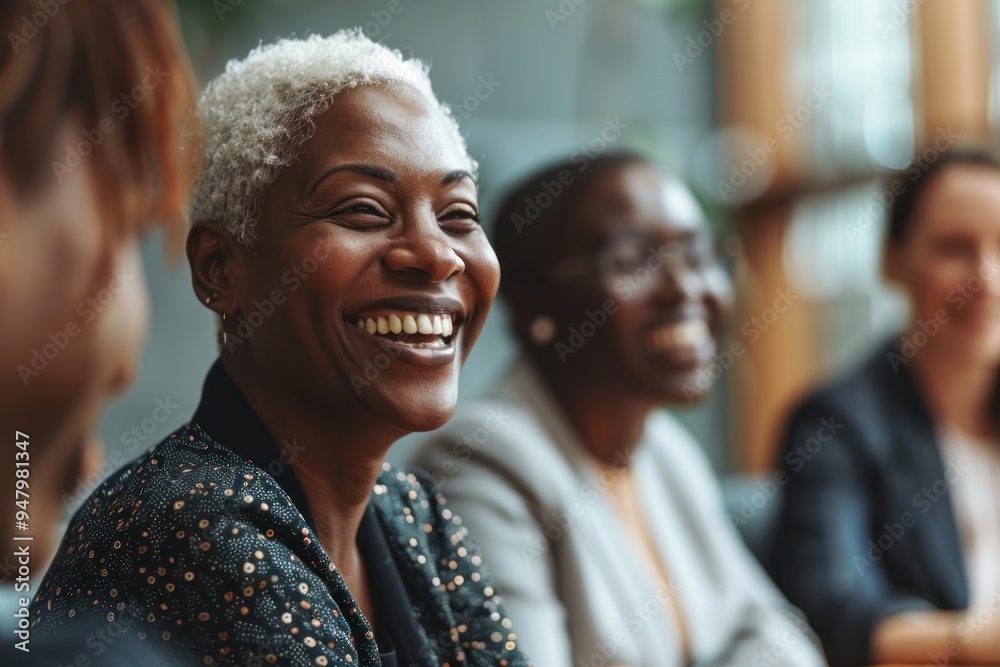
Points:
[[209, 299], [225, 338], [543, 330]]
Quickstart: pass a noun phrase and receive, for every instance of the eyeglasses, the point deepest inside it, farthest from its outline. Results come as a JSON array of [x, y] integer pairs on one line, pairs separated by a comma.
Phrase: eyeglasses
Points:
[[625, 254]]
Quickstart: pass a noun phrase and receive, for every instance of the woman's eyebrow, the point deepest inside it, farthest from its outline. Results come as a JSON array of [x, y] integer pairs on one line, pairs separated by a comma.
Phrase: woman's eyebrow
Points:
[[675, 235], [383, 174], [372, 170], [455, 176]]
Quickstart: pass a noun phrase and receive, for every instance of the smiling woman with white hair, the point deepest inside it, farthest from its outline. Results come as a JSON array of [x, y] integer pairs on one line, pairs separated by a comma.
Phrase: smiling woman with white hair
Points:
[[336, 230]]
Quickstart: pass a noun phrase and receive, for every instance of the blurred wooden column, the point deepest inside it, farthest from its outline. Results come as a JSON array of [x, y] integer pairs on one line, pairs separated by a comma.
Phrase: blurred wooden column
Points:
[[952, 69], [952, 60], [754, 72]]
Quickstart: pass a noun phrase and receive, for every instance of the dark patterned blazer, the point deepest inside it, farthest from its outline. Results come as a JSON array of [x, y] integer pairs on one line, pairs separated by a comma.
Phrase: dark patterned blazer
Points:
[[206, 547]]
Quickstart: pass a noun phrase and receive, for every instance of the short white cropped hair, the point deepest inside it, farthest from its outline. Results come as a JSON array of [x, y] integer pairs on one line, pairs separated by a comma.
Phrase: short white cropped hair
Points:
[[257, 116]]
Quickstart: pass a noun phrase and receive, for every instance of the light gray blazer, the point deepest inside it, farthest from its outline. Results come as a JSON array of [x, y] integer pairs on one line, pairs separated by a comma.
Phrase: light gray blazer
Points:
[[577, 594]]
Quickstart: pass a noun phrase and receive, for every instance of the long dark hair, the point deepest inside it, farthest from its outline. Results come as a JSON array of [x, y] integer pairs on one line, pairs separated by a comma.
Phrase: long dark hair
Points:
[[906, 206]]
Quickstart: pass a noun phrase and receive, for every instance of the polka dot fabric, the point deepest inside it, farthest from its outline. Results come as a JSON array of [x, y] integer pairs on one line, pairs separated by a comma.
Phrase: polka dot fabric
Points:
[[201, 552]]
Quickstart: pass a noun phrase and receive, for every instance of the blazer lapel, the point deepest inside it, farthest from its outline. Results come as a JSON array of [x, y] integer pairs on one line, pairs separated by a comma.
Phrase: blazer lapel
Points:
[[936, 530], [424, 586]]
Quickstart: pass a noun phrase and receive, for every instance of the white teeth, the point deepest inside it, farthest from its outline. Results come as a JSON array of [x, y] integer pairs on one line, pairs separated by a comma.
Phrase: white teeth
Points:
[[688, 333], [409, 323]]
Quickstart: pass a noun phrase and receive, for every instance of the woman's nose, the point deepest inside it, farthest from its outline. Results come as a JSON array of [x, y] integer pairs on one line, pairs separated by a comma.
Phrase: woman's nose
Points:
[[676, 282], [424, 251]]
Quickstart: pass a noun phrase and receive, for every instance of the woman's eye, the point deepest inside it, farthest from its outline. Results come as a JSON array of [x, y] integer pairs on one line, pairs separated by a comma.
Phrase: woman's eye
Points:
[[357, 208], [701, 254], [464, 217], [627, 260], [956, 248], [624, 255], [361, 215]]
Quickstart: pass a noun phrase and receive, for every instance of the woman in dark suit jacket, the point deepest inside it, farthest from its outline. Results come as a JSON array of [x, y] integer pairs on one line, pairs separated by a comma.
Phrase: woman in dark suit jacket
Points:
[[889, 536]]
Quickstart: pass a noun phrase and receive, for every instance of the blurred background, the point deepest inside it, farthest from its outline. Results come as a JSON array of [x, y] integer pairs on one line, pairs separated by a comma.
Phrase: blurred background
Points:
[[784, 115]]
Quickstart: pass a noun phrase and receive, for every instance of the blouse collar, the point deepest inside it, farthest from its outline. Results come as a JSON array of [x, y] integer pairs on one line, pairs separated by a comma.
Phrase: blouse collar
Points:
[[226, 416]]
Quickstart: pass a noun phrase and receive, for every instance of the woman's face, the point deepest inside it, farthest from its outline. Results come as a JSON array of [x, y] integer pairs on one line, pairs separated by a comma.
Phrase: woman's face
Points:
[[657, 275], [949, 262], [75, 304], [373, 261]]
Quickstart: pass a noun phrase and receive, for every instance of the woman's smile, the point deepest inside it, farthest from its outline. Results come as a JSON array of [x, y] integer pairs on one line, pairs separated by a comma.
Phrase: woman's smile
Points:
[[416, 329], [690, 336]]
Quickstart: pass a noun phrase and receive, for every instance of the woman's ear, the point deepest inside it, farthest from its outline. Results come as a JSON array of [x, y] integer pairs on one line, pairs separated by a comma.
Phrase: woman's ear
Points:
[[520, 310], [92, 457], [533, 317], [214, 257]]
